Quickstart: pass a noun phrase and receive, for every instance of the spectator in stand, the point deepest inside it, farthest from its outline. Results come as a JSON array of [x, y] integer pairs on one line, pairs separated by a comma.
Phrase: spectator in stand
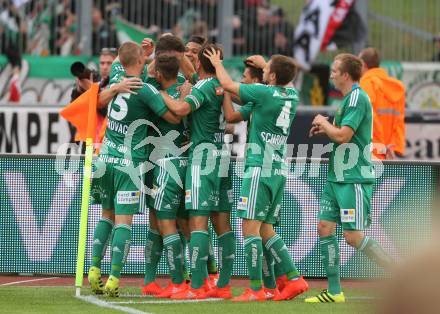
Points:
[[256, 31], [387, 97], [13, 31], [436, 41], [282, 32], [102, 32]]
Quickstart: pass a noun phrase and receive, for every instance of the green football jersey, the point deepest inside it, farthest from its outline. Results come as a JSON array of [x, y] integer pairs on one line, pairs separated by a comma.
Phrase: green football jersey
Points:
[[207, 123], [165, 127], [272, 116], [117, 72], [246, 111], [356, 112], [125, 109]]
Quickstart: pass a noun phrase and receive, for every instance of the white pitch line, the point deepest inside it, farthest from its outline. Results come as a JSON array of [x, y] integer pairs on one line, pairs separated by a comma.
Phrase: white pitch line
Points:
[[101, 303], [24, 281], [166, 301], [359, 298]]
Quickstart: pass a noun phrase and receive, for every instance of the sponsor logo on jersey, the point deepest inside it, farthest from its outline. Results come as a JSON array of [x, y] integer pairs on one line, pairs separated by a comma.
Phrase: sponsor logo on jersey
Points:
[[187, 196], [348, 215], [242, 203], [128, 197], [219, 91], [167, 206], [205, 203]]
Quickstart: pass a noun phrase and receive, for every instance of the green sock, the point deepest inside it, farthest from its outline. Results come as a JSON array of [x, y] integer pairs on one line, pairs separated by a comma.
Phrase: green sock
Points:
[[185, 259], [153, 252], [101, 238], [329, 249], [173, 251], [212, 265], [120, 248], [281, 256], [375, 252], [226, 252], [198, 246], [277, 270], [268, 270], [253, 251]]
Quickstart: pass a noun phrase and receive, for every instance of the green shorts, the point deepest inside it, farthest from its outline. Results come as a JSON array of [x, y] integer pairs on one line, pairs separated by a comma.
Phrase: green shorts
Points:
[[167, 193], [115, 189], [347, 204], [261, 194], [206, 193]]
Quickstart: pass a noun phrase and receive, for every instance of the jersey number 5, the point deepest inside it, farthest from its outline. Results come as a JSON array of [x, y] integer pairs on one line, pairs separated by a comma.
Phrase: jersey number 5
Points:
[[283, 120], [121, 101]]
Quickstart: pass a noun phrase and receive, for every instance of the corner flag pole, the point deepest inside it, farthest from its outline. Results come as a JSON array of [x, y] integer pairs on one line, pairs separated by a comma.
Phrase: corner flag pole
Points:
[[82, 237]]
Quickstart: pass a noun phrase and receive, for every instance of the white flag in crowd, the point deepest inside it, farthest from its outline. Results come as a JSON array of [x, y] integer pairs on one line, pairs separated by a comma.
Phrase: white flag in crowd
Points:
[[318, 22]]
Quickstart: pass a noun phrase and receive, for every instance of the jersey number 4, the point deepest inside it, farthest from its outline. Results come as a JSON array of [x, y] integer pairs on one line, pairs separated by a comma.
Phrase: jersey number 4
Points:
[[121, 101], [283, 120]]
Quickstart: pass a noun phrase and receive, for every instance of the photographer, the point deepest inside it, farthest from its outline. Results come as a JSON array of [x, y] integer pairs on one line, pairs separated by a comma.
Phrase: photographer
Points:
[[85, 77]]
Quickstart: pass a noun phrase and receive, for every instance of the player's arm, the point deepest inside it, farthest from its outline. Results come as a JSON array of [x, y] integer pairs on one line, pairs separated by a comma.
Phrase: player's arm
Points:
[[225, 80], [187, 68], [155, 102], [336, 134], [179, 107], [231, 116], [171, 117], [127, 85]]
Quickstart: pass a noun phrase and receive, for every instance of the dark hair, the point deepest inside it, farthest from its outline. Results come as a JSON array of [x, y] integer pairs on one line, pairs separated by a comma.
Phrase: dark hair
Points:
[[371, 57], [350, 64], [200, 40], [206, 64], [169, 43], [253, 71], [109, 52], [167, 65], [285, 69], [129, 53]]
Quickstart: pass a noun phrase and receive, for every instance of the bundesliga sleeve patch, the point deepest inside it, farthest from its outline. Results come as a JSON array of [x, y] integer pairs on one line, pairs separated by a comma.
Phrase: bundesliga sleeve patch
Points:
[[128, 197], [348, 215], [242, 203], [188, 196], [219, 91]]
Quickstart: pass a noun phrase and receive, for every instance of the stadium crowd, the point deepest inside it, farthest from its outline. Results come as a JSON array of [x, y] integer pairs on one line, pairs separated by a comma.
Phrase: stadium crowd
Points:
[[49, 27]]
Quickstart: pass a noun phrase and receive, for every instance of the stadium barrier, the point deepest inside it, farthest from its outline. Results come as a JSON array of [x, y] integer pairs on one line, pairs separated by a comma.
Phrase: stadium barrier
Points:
[[40, 208]]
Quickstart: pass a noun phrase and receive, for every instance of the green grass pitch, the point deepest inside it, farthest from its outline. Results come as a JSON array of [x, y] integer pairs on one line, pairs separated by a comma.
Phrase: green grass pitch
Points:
[[62, 300]]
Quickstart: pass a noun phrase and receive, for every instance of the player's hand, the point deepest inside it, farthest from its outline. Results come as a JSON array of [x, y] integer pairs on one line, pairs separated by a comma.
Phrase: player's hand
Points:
[[127, 85], [319, 120], [390, 154], [84, 84], [185, 89], [214, 56], [148, 46], [315, 130], [256, 61]]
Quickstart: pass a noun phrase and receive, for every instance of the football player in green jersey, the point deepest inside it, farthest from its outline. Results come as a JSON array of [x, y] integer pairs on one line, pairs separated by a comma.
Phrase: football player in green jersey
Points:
[[253, 74], [167, 200], [208, 188], [346, 199], [192, 48], [117, 181], [265, 170]]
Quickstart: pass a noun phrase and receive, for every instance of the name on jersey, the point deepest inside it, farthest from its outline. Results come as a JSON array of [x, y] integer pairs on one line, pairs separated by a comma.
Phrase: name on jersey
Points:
[[275, 139], [117, 127]]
